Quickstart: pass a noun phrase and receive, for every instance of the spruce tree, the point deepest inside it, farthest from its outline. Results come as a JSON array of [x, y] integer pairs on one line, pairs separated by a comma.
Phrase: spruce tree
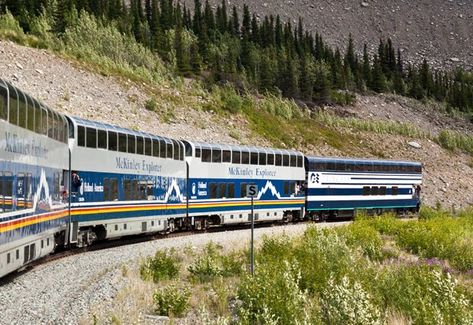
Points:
[[378, 82]]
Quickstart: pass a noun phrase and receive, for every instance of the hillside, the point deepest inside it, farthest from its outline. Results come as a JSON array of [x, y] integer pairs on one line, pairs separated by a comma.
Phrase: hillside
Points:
[[73, 88], [436, 29]]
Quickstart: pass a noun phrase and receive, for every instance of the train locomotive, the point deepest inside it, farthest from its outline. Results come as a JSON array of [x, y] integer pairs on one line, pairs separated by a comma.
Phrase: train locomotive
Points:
[[66, 181]]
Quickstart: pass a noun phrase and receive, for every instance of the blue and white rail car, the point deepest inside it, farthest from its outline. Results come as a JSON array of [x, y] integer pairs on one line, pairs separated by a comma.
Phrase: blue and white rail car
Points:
[[131, 182], [341, 186], [219, 174], [33, 161]]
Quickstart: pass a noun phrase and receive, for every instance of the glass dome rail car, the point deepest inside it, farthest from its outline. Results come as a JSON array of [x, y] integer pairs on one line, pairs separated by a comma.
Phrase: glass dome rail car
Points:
[[97, 135], [362, 165], [246, 155], [21, 110]]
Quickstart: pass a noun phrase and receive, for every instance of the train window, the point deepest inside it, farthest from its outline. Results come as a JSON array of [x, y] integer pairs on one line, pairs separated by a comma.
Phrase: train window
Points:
[[44, 121], [127, 189], [20, 191], [162, 148], [3, 103], [382, 190], [300, 161], [254, 158], [216, 155], [262, 158], [131, 143], [213, 190], [188, 149], [50, 124], [134, 191], [38, 118], [22, 112], [366, 190], [394, 190], [112, 141], [230, 190], [7, 191], [102, 139], [243, 190], [181, 150], [236, 157], [270, 159], [59, 134], [65, 127], [122, 142], [176, 150], [140, 145], [206, 155], [31, 110], [374, 190], [91, 138], [148, 149], [106, 189], [278, 159], [349, 167], [197, 152], [222, 189], [13, 107], [227, 156], [169, 150], [113, 195], [286, 188], [293, 161], [155, 148], [81, 136], [245, 157], [419, 169], [285, 160]]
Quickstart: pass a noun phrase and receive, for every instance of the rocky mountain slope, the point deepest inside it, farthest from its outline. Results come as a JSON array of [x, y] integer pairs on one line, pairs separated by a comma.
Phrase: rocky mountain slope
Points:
[[440, 30], [70, 88]]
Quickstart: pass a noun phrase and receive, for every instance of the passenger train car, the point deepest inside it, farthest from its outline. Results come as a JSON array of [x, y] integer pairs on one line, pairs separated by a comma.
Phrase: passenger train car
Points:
[[33, 163], [132, 182], [218, 176], [67, 181], [344, 186]]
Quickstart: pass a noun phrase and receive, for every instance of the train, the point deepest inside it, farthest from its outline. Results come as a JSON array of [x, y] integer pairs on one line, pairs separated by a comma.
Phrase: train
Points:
[[69, 182]]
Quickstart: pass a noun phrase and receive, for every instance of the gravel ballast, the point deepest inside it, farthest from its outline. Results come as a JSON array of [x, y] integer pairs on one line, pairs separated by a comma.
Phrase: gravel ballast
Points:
[[65, 290]]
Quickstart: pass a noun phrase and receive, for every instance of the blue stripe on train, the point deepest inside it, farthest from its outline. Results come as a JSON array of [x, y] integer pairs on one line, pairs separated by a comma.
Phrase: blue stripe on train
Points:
[[351, 191], [369, 204]]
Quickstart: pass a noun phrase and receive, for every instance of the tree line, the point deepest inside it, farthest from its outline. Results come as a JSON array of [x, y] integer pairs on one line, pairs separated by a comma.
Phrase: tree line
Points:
[[267, 55]]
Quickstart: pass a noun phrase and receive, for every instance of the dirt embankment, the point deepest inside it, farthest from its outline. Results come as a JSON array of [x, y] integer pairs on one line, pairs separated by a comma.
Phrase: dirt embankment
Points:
[[448, 177]]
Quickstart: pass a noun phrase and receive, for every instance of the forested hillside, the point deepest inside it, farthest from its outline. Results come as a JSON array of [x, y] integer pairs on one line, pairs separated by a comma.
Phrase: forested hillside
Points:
[[267, 54]]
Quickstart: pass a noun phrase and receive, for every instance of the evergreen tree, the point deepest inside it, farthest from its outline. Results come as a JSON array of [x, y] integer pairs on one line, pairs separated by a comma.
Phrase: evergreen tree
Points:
[[350, 56], [378, 82], [235, 23], [366, 66]]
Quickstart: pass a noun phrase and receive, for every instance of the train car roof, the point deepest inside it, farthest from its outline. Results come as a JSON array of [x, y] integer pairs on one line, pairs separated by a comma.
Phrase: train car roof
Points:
[[312, 159], [115, 128], [206, 145]]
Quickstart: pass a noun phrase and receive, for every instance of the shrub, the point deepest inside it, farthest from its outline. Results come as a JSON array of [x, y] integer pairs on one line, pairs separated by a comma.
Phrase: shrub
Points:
[[163, 266], [151, 105], [273, 295], [212, 264], [363, 236], [347, 302], [171, 301], [425, 295]]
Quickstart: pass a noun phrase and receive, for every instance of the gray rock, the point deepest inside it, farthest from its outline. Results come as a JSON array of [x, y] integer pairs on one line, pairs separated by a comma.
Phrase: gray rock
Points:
[[414, 144], [365, 4]]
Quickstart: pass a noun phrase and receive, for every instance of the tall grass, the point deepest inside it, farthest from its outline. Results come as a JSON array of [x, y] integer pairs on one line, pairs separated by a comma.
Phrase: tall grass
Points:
[[453, 140], [380, 127]]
